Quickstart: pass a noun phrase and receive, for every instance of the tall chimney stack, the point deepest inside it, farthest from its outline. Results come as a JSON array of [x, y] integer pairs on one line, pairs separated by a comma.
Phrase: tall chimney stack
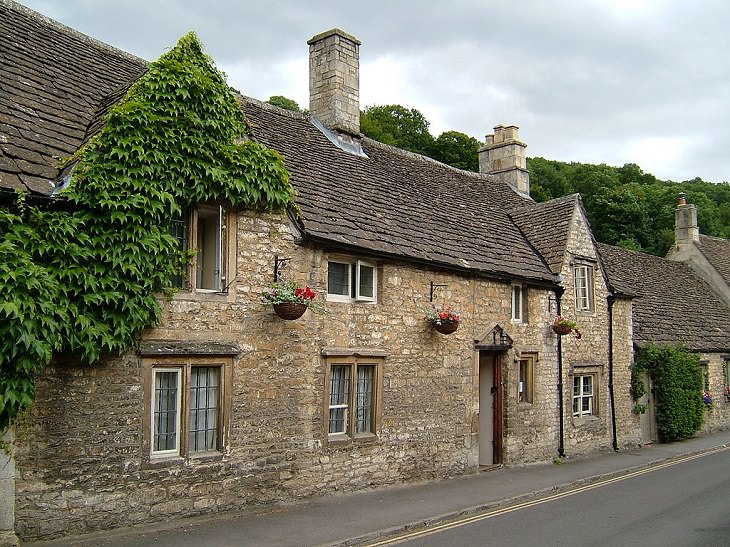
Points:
[[505, 155], [686, 230], [334, 80]]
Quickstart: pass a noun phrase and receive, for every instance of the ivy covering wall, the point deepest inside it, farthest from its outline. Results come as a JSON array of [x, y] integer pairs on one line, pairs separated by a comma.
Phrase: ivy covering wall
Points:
[[677, 379], [83, 279]]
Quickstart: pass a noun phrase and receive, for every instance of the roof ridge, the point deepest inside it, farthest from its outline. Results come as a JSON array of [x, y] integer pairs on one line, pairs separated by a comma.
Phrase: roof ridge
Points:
[[273, 108], [417, 156]]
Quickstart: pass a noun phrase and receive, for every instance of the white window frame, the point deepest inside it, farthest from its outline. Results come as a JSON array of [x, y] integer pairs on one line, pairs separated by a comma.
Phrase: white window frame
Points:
[[178, 411], [354, 269], [591, 397], [583, 280], [519, 303]]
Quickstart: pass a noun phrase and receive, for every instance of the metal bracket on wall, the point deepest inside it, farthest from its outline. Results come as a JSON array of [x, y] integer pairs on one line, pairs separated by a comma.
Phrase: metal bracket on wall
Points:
[[279, 264], [434, 290]]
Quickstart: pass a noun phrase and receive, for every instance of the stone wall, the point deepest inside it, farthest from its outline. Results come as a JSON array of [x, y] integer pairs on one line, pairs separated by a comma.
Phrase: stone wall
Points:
[[82, 466], [717, 416]]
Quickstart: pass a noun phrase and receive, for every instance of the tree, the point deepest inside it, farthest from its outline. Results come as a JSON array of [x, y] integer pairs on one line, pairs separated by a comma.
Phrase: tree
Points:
[[458, 150], [283, 102], [398, 126]]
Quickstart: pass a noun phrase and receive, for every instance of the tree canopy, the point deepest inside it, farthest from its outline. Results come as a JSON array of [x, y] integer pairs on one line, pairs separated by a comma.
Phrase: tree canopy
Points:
[[630, 208]]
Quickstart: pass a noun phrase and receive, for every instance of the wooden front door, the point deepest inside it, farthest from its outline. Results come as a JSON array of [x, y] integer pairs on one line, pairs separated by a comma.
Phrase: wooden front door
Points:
[[490, 408]]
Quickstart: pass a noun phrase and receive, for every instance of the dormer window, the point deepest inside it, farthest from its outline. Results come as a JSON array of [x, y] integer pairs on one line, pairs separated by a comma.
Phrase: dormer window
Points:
[[351, 280], [204, 229]]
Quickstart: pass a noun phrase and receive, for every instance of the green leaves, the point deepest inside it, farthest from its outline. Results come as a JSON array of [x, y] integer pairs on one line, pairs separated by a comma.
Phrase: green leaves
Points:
[[678, 384], [84, 281]]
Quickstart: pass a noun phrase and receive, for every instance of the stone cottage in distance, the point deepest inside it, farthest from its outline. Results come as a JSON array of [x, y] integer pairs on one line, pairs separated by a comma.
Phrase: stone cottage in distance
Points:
[[224, 405]]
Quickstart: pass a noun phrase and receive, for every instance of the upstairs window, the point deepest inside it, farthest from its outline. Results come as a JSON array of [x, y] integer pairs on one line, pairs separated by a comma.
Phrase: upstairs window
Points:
[[519, 303], [583, 280], [204, 229], [351, 280]]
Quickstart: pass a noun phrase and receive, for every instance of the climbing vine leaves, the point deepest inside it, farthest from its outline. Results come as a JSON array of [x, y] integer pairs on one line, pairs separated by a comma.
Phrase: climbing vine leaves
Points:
[[81, 276], [678, 385]]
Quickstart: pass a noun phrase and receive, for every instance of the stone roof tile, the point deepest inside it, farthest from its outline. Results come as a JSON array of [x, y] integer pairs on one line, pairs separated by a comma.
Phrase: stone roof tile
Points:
[[547, 226], [54, 81], [397, 203], [717, 253], [672, 304]]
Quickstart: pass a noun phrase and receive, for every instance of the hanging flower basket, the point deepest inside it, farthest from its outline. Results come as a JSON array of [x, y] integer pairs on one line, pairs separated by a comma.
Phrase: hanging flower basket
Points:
[[445, 328], [290, 310], [291, 301], [562, 330], [563, 325], [444, 320]]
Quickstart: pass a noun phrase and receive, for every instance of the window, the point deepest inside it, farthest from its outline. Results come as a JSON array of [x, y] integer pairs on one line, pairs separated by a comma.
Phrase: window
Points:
[[705, 368], [187, 407], [352, 398], [726, 373], [519, 304], [583, 396], [583, 277], [351, 280], [525, 380], [204, 229]]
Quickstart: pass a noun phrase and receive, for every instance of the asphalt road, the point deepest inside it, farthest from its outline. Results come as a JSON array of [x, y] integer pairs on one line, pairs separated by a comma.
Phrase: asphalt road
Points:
[[682, 503]]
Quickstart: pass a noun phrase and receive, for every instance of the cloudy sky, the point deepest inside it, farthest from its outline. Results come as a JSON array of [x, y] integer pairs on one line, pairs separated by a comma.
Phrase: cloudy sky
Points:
[[597, 81]]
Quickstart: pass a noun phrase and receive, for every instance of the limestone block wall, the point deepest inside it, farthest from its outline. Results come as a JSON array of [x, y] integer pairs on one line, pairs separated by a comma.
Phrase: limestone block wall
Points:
[[718, 416], [81, 464]]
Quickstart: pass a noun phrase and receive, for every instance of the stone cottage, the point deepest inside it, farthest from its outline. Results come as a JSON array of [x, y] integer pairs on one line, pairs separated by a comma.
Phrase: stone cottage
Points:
[[672, 304], [223, 405]]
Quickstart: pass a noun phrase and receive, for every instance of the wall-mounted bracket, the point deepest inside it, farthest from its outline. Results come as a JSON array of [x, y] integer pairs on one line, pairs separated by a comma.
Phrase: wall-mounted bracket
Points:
[[279, 264], [434, 290]]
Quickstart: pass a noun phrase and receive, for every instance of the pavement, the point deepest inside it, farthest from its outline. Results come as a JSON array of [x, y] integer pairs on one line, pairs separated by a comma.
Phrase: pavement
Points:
[[365, 517]]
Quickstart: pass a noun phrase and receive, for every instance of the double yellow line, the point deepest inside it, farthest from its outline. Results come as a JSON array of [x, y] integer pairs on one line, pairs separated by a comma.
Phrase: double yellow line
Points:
[[502, 511]]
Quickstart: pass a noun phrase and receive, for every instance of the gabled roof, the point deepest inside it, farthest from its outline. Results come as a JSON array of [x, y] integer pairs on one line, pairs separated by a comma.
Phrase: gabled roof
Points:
[[54, 81], [717, 253], [57, 84], [672, 304], [547, 226], [397, 203]]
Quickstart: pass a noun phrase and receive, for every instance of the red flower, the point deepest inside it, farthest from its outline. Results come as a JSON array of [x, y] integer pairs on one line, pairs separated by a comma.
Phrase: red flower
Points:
[[305, 293]]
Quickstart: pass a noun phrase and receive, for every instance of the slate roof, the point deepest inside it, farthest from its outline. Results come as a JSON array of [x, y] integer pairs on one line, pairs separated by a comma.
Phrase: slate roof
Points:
[[396, 203], [547, 225], [54, 81], [57, 83], [672, 304], [717, 253]]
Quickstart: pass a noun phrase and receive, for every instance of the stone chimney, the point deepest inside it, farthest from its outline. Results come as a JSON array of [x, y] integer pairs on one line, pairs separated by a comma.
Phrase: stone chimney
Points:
[[505, 155], [686, 230], [334, 81]]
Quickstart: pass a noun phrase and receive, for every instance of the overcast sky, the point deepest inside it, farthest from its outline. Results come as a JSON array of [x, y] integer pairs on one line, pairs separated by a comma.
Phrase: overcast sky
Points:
[[596, 81]]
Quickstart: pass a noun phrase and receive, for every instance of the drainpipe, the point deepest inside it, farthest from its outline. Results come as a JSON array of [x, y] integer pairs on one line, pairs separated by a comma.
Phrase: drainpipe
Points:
[[561, 445], [610, 300]]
